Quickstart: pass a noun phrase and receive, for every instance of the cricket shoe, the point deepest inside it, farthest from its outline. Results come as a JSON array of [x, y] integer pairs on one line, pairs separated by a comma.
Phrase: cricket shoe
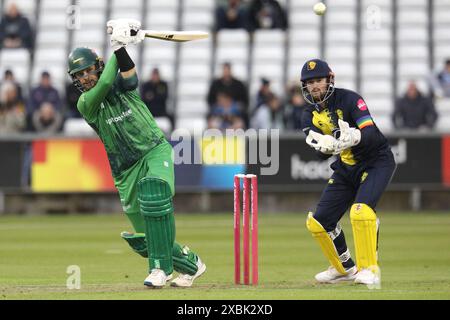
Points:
[[157, 279], [369, 277], [331, 275], [186, 280]]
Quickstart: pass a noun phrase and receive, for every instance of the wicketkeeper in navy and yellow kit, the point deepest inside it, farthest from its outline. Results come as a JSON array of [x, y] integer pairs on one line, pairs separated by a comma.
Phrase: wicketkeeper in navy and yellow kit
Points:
[[338, 122], [140, 157]]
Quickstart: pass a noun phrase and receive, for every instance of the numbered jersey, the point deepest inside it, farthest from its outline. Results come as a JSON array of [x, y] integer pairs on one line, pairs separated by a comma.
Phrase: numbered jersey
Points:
[[114, 109], [350, 107]]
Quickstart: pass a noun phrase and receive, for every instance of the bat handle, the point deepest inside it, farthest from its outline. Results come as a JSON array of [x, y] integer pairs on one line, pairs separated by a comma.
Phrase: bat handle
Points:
[[109, 30]]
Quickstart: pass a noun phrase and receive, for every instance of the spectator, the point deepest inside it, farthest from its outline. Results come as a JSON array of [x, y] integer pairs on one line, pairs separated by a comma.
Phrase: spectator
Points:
[[47, 119], [231, 15], [264, 93], [44, 92], [9, 77], [155, 93], [269, 115], [225, 113], [267, 14], [441, 82], [232, 86], [15, 30], [12, 109], [294, 109], [72, 95], [414, 111]]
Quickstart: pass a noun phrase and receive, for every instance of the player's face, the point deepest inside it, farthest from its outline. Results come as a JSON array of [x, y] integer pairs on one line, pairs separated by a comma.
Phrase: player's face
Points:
[[317, 87], [87, 77]]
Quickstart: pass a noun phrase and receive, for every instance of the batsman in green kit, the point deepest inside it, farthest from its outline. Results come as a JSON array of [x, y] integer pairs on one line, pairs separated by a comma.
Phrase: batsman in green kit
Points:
[[140, 157]]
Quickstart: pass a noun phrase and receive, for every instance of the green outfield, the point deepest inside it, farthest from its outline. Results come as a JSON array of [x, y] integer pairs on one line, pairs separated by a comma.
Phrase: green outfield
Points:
[[35, 252]]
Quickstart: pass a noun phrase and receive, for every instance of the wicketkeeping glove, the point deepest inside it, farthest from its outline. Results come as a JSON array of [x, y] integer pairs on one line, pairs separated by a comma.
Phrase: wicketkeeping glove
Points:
[[322, 142], [348, 138]]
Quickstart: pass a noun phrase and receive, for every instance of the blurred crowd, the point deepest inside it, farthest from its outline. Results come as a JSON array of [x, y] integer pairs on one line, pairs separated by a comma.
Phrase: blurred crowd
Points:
[[250, 15], [45, 110]]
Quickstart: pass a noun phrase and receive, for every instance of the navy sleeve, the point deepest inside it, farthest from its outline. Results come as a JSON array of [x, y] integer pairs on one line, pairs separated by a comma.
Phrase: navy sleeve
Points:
[[362, 118]]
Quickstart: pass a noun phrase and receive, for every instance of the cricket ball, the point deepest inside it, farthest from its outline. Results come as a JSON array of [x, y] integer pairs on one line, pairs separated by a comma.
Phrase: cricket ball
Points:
[[320, 8]]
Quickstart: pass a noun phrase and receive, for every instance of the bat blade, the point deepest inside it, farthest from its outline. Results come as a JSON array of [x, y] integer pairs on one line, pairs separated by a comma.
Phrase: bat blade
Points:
[[177, 36]]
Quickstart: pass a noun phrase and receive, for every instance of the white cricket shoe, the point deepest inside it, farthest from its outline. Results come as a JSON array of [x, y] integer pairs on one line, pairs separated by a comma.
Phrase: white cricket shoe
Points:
[[186, 280], [331, 275], [157, 279], [371, 278]]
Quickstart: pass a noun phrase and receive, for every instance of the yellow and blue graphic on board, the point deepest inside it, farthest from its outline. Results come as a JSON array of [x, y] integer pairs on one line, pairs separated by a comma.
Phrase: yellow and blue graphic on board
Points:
[[211, 163], [222, 157]]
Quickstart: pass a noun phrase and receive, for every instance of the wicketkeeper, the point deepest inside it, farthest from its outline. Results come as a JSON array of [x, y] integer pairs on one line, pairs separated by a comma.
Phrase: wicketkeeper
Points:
[[140, 157], [338, 122]]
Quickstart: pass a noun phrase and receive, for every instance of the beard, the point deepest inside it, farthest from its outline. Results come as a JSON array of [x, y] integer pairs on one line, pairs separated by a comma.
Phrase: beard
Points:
[[89, 84], [318, 95]]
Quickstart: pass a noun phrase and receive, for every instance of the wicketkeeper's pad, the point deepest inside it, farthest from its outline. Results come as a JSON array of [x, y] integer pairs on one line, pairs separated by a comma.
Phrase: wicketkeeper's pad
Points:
[[325, 242], [365, 228]]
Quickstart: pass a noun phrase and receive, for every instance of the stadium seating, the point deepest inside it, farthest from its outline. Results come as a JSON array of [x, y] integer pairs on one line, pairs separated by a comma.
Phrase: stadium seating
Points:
[[268, 56], [77, 127], [441, 33], [17, 60], [275, 54], [233, 46]]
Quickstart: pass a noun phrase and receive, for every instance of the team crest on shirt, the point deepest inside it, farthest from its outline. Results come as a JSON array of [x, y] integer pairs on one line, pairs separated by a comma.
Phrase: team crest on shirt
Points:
[[311, 65], [340, 114], [361, 105]]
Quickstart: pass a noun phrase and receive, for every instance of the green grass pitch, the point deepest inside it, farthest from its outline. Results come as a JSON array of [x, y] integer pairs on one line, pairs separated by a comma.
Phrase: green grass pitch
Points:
[[35, 252]]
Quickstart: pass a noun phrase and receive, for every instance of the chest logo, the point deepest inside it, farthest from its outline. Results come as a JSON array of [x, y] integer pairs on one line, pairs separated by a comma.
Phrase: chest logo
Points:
[[322, 120], [120, 117]]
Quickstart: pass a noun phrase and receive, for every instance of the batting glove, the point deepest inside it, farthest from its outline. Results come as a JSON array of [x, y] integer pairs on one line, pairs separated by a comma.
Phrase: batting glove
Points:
[[124, 32]]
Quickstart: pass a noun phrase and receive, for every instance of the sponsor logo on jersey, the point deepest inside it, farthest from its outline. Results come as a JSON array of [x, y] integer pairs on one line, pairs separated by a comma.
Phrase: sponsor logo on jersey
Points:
[[120, 117], [361, 105]]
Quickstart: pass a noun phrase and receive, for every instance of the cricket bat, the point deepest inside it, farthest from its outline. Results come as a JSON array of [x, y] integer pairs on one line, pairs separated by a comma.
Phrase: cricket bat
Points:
[[177, 36]]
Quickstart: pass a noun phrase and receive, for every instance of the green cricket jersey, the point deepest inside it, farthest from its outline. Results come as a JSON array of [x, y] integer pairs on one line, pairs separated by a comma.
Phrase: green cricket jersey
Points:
[[114, 109]]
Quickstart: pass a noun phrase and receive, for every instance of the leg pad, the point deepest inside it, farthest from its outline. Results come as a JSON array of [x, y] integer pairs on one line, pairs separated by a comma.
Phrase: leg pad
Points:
[[325, 242], [364, 225], [155, 200]]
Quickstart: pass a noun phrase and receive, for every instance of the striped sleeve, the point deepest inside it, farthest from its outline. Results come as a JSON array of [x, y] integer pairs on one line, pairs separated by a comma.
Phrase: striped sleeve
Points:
[[364, 121], [360, 113]]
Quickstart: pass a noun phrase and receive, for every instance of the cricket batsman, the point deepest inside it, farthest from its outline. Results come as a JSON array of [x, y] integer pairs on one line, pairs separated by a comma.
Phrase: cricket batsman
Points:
[[140, 157], [338, 122]]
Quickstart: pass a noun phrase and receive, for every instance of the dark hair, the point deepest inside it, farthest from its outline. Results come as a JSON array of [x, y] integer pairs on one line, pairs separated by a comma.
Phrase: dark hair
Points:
[[265, 81]]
